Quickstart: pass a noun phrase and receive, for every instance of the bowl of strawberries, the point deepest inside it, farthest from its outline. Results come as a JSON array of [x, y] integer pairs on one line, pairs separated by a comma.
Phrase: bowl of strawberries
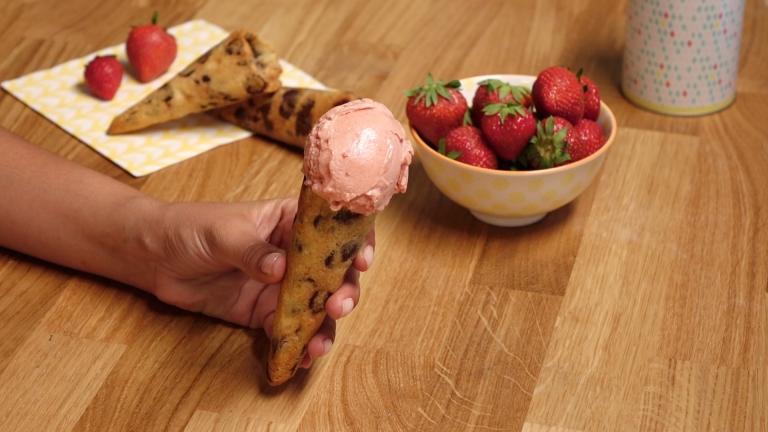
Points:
[[526, 145]]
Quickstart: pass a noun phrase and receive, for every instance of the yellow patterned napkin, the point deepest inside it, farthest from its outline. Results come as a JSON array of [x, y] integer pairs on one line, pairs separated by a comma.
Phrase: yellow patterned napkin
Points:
[[59, 94]]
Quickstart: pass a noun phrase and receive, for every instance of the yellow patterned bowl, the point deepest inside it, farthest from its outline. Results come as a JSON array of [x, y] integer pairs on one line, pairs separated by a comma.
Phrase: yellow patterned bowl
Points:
[[512, 198]]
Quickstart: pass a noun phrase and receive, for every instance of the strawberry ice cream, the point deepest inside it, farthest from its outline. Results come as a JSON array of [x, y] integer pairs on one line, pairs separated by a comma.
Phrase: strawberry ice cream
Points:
[[357, 157]]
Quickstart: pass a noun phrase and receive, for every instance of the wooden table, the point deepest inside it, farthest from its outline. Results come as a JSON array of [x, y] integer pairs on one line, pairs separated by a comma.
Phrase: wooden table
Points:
[[643, 305]]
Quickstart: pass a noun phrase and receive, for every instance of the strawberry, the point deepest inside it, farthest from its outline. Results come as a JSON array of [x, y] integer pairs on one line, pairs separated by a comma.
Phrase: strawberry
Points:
[[557, 92], [584, 138], [548, 147], [508, 128], [591, 97], [435, 108], [151, 50], [103, 76], [466, 144], [496, 91]]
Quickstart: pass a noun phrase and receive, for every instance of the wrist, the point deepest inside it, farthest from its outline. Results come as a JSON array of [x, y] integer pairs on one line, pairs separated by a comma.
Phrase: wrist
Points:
[[142, 240]]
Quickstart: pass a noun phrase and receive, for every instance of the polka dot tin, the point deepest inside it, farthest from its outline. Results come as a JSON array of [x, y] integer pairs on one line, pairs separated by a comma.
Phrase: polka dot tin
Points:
[[682, 56]]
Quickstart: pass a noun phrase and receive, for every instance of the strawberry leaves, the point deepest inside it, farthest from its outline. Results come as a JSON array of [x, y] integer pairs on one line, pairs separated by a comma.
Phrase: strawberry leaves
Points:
[[467, 121], [519, 93], [504, 110], [450, 155], [547, 148], [432, 89]]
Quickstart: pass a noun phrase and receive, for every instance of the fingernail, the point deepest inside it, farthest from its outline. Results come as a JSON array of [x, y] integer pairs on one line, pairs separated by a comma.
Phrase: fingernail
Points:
[[346, 306], [327, 344], [268, 263], [368, 255]]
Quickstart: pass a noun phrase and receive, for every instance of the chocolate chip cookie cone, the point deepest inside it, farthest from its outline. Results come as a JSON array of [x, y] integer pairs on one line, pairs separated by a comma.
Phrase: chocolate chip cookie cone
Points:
[[324, 244], [355, 159], [286, 115], [239, 67]]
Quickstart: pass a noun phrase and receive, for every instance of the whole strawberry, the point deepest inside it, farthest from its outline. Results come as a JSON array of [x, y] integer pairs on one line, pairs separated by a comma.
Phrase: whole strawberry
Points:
[[557, 92], [435, 108], [508, 128], [548, 147], [584, 138], [103, 76], [591, 97], [151, 50], [492, 91], [466, 144]]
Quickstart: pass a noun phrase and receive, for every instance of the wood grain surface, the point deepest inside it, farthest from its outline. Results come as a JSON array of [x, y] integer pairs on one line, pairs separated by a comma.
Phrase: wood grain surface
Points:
[[642, 306]]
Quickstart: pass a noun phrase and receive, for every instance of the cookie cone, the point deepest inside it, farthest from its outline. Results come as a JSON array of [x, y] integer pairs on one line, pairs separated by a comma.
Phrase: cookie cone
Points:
[[286, 115], [324, 244], [239, 67]]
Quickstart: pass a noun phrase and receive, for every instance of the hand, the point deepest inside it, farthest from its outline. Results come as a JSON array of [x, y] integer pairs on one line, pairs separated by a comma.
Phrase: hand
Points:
[[227, 261]]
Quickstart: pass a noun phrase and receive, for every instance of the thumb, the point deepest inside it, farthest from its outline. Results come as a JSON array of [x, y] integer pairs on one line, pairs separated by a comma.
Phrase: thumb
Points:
[[264, 262]]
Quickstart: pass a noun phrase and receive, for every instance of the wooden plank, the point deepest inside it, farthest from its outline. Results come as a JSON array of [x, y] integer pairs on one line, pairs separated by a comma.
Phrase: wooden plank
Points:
[[506, 334], [51, 380], [631, 292], [205, 421], [28, 289]]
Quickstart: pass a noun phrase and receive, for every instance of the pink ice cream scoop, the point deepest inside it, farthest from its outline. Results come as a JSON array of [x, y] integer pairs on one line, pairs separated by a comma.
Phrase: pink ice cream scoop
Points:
[[357, 157]]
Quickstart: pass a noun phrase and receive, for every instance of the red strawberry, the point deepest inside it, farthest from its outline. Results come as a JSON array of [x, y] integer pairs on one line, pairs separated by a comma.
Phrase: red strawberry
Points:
[[591, 97], [496, 91], [435, 108], [585, 138], [508, 128], [151, 50], [548, 147], [466, 144], [103, 76], [557, 92]]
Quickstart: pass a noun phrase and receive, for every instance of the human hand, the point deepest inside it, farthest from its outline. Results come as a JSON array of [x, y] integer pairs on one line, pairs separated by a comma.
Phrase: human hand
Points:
[[227, 261]]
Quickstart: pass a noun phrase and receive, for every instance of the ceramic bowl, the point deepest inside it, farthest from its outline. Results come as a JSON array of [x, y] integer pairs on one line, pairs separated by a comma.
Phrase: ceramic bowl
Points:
[[512, 198]]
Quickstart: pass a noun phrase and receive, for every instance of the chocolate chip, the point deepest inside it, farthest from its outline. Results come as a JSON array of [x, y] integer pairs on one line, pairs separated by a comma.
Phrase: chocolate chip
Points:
[[304, 118], [345, 216], [251, 103], [329, 259], [252, 41], [316, 221], [317, 301], [206, 78], [240, 113], [264, 110], [168, 99], [251, 89], [349, 250], [288, 104], [298, 246]]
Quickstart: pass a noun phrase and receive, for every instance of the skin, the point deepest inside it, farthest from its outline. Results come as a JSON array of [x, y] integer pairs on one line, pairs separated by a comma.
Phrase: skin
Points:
[[222, 260]]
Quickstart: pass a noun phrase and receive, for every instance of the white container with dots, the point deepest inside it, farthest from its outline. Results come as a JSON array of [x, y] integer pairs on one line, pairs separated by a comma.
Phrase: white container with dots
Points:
[[682, 56]]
